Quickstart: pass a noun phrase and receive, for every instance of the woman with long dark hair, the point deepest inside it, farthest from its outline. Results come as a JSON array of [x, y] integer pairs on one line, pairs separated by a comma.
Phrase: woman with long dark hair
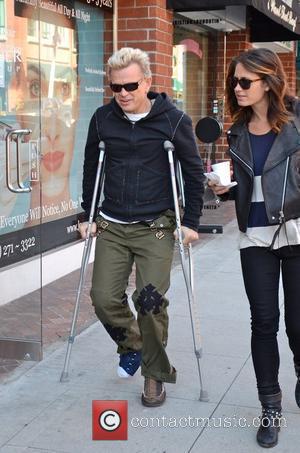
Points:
[[264, 145]]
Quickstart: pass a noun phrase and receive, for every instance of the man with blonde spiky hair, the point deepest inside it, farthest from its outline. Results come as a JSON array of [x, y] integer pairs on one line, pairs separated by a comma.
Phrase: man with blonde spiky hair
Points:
[[136, 220]]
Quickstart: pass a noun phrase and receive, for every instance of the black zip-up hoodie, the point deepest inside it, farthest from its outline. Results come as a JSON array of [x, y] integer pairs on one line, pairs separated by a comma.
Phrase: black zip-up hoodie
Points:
[[137, 184]]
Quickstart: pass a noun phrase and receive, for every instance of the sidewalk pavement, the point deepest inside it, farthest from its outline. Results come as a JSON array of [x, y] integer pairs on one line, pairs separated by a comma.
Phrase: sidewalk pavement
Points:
[[40, 414]]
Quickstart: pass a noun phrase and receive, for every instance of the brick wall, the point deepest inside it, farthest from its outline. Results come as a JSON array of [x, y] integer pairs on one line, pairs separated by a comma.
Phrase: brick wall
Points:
[[289, 64], [150, 28], [108, 49]]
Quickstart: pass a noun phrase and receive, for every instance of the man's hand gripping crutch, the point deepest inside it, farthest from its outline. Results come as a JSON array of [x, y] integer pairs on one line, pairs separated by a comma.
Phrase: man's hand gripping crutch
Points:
[[186, 239], [87, 230]]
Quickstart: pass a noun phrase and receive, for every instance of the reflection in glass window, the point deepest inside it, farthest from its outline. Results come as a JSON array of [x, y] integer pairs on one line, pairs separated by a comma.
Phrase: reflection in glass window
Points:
[[64, 37], [74, 42], [178, 79], [32, 29], [47, 31], [48, 86], [190, 72], [2, 20]]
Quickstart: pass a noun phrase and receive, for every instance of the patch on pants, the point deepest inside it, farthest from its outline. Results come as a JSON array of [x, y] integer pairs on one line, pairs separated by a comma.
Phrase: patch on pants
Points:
[[150, 300], [124, 300], [116, 333]]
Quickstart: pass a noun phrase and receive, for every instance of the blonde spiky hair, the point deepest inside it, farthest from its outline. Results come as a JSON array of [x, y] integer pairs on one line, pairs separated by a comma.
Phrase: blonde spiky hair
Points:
[[125, 56]]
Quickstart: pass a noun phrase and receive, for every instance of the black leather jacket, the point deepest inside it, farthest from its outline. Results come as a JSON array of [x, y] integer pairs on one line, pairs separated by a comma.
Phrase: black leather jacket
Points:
[[280, 178], [137, 183]]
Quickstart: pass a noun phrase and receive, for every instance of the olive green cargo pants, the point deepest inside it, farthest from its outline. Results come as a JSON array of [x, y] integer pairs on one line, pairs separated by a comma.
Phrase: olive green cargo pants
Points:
[[150, 246]]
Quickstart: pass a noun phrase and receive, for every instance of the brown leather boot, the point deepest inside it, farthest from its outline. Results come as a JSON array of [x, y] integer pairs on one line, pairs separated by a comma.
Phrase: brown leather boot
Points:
[[267, 434], [154, 393]]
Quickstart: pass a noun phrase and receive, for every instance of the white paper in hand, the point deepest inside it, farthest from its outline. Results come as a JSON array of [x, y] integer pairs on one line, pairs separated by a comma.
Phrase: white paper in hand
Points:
[[215, 179]]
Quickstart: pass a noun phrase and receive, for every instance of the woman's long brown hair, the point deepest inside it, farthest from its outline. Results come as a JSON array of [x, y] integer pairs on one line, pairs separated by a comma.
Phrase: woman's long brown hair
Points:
[[267, 65]]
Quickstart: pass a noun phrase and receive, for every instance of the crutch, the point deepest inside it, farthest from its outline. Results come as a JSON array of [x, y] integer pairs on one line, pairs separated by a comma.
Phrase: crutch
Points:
[[189, 248], [85, 259], [169, 147]]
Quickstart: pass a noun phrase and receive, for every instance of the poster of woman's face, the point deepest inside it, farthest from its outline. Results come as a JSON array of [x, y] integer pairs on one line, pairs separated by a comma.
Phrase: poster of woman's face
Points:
[[52, 90], [53, 85]]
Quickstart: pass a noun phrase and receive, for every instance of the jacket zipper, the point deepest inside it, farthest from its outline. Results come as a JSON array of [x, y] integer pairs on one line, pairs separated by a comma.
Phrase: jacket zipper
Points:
[[127, 170], [240, 159], [281, 213], [251, 171], [128, 173]]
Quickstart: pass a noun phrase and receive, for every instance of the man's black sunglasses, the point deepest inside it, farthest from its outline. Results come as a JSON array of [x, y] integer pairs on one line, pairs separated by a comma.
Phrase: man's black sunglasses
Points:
[[117, 87], [243, 82]]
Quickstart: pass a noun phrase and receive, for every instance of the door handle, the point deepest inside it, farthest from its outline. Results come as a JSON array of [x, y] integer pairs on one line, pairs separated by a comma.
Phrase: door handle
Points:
[[19, 134]]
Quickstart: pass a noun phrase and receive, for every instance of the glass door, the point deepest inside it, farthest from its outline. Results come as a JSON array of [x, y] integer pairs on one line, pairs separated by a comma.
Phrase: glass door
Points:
[[20, 187], [51, 83]]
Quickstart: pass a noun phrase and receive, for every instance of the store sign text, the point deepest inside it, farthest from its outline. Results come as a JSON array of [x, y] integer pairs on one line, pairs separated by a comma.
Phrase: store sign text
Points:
[[11, 54], [100, 3], [53, 6], [281, 12]]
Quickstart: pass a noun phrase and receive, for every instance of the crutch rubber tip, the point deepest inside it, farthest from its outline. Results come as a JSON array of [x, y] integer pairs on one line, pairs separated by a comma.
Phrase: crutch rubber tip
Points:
[[198, 353], [204, 396], [64, 377]]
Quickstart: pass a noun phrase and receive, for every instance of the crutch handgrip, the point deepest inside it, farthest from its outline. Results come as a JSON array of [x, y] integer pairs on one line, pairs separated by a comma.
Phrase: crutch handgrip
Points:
[[168, 146], [97, 181], [102, 146]]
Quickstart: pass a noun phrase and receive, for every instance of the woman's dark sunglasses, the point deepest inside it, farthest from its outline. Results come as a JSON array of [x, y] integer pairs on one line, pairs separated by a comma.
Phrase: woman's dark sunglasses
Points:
[[117, 88], [244, 83]]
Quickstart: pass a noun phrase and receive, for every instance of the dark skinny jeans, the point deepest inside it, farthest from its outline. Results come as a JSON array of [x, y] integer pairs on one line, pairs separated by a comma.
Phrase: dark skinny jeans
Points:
[[261, 273]]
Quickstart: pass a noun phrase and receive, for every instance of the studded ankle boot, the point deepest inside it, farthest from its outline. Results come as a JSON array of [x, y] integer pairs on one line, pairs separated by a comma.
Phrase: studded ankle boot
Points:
[[297, 389], [267, 434]]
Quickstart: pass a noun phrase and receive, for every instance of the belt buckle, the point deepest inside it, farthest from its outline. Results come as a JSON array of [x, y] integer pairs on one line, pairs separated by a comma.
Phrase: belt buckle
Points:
[[152, 226], [159, 234], [103, 224]]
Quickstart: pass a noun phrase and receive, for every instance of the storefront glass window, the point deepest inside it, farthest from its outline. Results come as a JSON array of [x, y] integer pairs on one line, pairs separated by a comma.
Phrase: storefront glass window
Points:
[[190, 72], [2, 19], [51, 82]]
